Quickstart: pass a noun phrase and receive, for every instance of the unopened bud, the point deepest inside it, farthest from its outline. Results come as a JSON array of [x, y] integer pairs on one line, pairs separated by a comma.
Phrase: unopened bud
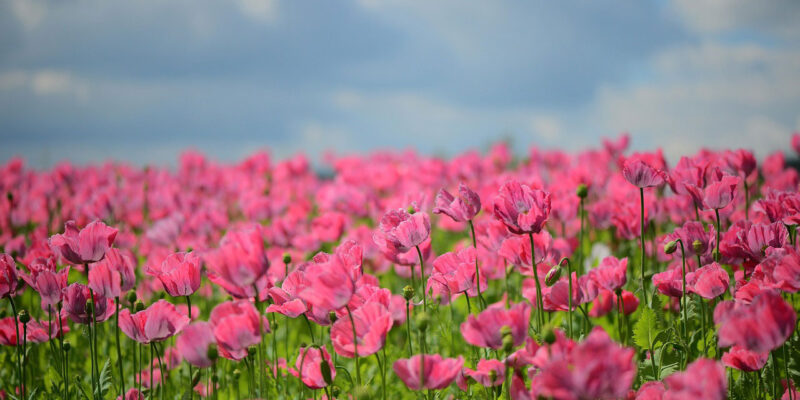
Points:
[[236, 372], [325, 370], [408, 292], [67, 346], [131, 297], [697, 245], [671, 246], [138, 306], [582, 191], [505, 330], [411, 210], [492, 375], [508, 343], [24, 317], [423, 320], [549, 336], [196, 378], [332, 316], [287, 258], [552, 276], [212, 353], [335, 391], [214, 379]]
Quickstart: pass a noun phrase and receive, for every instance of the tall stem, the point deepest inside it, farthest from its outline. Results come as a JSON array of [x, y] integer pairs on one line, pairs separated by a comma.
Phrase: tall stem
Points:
[[683, 293], [191, 373], [580, 238], [641, 203], [19, 354], [569, 299], [119, 349], [539, 303], [746, 199], [716, 256], [152, 389], [477, 269], [408, 327], [786, 370], [160, 370], [355, 345], [422, 277]]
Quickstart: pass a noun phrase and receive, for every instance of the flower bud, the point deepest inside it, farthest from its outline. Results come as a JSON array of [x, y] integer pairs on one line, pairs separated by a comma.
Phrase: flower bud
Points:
[[697, 245], [508, 343], [138, 306], [582, 191], [131, 297], [214, 379], [287, 258], [552, 276], [67, 346], [212, 353], [24, 317], [411, 210], [549, 336], [89, 307], [408, 292], [715, 254], [332, 316], [671, 246], [423, 320], [492, 375], [325, 370], [196, 378], [236, 372], [335, 391]]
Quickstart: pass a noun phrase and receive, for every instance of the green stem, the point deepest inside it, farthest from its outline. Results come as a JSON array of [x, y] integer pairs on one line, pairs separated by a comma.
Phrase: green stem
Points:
[[683, 294], [152, 389], [408, 327], [422, 277], [569, 299], [746, 200], [716, 256], [786, 371], [477, 270], [355, 345], [160, 370], [191, 373], [641, 203], [19, 355], [539, 303], [310, 330], [119, 349]]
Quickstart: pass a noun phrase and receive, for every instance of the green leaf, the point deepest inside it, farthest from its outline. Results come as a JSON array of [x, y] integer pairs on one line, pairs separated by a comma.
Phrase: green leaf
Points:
[[105, 378], [646, 330]]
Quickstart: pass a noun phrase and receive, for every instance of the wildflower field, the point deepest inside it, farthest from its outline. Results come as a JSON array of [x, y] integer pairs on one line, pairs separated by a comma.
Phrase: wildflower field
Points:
[[601, 274]]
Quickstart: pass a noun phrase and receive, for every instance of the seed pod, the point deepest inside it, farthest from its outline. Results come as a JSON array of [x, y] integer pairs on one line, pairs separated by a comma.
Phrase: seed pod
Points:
[[582, 191]]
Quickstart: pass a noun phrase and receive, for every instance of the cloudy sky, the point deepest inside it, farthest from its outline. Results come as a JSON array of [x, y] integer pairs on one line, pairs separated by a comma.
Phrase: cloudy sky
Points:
[[142, 80]]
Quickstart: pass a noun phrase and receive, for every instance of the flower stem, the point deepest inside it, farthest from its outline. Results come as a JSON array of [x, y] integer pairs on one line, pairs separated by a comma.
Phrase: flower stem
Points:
[[641, 203], [355, 345], [683, 293], [119, 350], [716, 256], [422, 277], [408, 327], [539, 302], [191, 373], [19, 354], [477, 269]]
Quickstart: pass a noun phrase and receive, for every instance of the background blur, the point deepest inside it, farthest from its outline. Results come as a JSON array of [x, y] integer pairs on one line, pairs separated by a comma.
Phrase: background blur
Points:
[[141, 80]]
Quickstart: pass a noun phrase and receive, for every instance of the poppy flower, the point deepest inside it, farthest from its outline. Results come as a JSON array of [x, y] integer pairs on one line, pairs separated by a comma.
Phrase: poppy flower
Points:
[[46, 281], [439, 372], [331, 278], [457, 269], [194, 342], [744, 360], [132, 394], [308, 367], [8, 275], [400, 231], [372, 323], [460, 209], [489, 373], [708, 282], [239, 262], [76, 296], [113, 275], [86, 245], [179, 273], [156, 323], [703, 379], [522, 209], [761, 326], [642, 175], [237, 325], [719, 194], [484, 330], [611, 273]]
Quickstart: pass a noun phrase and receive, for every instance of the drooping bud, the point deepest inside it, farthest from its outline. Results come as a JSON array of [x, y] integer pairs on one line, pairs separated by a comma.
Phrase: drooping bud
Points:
[[196, 378], [236, 373], [508, 343], [552, 276], [325, 369], [582, 191], [671, 246], [408, 292]]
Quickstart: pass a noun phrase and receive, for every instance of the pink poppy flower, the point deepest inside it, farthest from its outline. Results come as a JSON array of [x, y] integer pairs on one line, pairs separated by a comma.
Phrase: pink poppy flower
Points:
[[83, 246], [796, 142], [308, 367], [703, 379], [522, 209], [652, 390], [179, 273], [485, 329], [744, 360], [610, 274], [194, 342], [718, 195], [113, 275], [8, 332], [483, 373], [709, 281], [236, 326], [8, 276], [331, 278], [596, 368], [239, 262], [156, 323], [607, 301], [284, 298], [76, 296], [46, 281], [132, 394], [372, 321], [761, 326], [400, 231], [457, 269], [439, 372], [462, 208], [642, 175]]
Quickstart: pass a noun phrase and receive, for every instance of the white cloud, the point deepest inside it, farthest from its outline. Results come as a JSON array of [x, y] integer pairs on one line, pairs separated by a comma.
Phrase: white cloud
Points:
[[29, 13], [45, 83], [260, 10], [715, 16]]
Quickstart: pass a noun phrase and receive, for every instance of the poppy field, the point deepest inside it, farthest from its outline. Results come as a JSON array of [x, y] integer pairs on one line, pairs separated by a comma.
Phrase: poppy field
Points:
[[599, 274]]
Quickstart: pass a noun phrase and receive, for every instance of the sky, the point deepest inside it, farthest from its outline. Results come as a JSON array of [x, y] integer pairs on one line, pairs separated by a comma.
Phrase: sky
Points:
[[140, 81]]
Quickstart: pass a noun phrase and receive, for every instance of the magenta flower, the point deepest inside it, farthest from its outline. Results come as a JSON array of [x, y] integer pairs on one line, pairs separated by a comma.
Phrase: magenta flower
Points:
[[194, 342], [719, 194], [239, 262], [8, 275], [457, 270], [744, 360], [642, 175], [439, 372], [132, 394], [156, 323], [522, 209], [309, 367], [76, 296], [761, 326], [708, 282], [483, 373], [179, 273], [46, 281], [400, 231], [236, 326], [462, 208], [113, 275], [83, 246], [703, 379], [611, 273], [331, 278], [485, 329], [372, 323]]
